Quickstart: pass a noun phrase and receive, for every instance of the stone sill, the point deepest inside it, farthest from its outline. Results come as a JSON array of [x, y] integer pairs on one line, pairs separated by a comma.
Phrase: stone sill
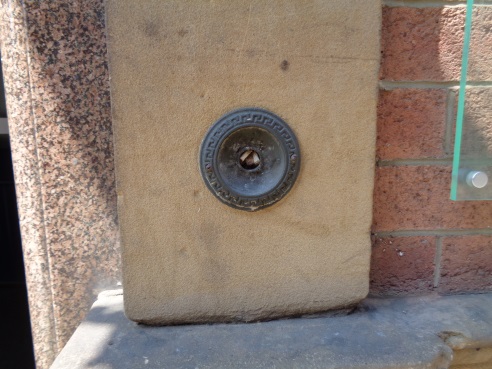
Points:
[[406, 333]]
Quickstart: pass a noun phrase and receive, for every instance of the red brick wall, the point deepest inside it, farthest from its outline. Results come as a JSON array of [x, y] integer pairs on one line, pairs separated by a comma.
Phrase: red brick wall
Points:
[[422, 241]]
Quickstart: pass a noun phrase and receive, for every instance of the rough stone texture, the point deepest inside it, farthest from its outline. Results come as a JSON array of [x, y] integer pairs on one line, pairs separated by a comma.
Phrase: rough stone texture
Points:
[[476, 358], [466, 264], [417, 197], [422, 44], [27, 180], [410, 333], [56, 79], [176, 67], [411, 124], [402, 265]]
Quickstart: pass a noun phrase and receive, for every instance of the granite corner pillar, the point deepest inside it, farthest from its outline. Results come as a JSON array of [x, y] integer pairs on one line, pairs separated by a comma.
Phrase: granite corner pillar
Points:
[[57, 90]]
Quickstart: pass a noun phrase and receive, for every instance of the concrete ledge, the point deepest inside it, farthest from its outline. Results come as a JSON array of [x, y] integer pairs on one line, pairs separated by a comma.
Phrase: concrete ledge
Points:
[[419, 332]]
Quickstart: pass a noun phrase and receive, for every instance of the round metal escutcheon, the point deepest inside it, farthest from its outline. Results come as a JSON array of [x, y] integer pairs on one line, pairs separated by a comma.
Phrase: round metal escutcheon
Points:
[[250, 159]]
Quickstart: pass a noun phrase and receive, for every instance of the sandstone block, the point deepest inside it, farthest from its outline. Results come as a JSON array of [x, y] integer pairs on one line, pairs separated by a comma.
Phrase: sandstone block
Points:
[[176, 67]]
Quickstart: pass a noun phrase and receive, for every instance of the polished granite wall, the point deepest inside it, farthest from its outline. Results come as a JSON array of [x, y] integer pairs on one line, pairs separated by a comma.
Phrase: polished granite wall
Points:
[[57, 87]]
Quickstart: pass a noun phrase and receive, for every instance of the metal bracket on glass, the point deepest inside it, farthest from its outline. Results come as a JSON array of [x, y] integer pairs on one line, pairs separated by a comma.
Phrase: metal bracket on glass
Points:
[[472, 161]]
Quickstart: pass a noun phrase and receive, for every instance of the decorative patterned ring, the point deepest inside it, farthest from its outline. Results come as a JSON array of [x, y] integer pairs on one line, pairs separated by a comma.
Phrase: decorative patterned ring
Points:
[[250, 159]]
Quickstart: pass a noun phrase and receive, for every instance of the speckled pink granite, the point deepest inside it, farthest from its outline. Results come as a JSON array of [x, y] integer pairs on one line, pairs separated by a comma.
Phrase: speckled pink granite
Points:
[[57, 86]]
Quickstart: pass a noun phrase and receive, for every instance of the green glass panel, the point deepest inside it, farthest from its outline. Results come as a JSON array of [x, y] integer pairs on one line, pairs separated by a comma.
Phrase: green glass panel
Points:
[[472, 162]]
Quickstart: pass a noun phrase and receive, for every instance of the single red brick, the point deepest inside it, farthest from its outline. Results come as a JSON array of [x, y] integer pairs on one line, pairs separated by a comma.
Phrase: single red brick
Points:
[[417, 197], [402, 265], [411, 124], [422, 44], [466, 264]]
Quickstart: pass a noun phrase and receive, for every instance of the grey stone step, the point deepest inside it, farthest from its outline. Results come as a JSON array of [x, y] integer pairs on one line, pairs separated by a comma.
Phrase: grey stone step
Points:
[[403, 333]]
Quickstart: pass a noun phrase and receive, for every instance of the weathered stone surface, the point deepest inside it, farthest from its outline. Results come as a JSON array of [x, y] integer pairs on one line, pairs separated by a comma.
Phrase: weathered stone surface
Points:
[[407, 333], [57, 90], [475, 358], [176, 67]]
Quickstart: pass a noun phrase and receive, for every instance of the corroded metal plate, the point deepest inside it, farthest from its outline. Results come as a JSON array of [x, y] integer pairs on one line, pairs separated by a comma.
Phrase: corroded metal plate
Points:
[[250, 159]]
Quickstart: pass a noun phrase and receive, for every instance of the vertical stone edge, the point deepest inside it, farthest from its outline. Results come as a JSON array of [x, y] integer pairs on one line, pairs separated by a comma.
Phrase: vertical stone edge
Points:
[[22, 129]]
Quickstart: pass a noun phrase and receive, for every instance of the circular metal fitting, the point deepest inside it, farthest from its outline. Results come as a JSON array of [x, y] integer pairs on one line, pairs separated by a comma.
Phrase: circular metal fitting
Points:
[[249, 159], [477, 179]]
